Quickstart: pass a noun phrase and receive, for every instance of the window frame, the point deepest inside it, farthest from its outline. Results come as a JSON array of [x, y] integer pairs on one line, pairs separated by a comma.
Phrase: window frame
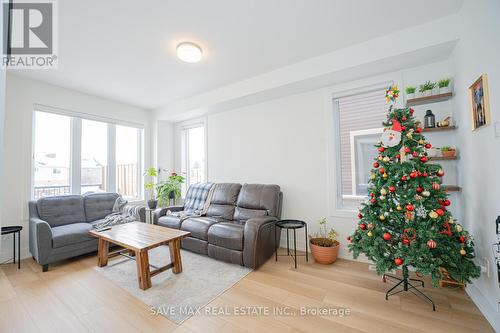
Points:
[[335, 207], [75, 148]]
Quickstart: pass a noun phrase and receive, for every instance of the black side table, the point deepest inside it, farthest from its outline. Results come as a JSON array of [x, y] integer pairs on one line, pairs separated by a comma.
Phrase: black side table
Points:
[[293, 225], [15, 230]]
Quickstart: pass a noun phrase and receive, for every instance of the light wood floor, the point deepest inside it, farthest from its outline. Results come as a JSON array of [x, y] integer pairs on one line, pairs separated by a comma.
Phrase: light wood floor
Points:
[[73, 297]]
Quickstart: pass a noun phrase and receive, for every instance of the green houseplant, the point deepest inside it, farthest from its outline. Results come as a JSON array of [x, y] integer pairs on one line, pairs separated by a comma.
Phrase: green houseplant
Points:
[[324, 244], [444, 86], [426, 88], [170, 189], [151, 175], [448, 151], [410, 92]]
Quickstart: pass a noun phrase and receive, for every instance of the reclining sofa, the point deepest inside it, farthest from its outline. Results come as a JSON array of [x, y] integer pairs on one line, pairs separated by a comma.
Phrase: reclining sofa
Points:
[[238, 227], [59, 226]]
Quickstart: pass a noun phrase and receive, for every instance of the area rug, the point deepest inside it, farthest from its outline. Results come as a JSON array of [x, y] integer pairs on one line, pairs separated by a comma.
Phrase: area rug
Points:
[[176, 296]]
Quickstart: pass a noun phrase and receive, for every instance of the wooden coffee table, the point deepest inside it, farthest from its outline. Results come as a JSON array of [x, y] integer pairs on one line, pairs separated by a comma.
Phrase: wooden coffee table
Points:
[[137, 239]]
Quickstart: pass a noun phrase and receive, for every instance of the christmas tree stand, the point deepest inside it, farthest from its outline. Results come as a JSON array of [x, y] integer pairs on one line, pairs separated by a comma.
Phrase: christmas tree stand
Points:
[[407, 286]]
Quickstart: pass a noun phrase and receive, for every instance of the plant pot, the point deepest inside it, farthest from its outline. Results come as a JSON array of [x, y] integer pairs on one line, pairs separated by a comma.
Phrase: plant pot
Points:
[[435, 91], [152, 204], [324, 255], [444, 90], [427, 93], [171, 195], [448, 153], [410, 96]]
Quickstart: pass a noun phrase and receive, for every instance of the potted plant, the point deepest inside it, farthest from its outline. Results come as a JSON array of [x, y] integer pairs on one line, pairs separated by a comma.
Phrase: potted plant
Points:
[[170, 189], [410, 92], [448, 151], [426, 88], [324, 244], [444, 86], [149, 186]]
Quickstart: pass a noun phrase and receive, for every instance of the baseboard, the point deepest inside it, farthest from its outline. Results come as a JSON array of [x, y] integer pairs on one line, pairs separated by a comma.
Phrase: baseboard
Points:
[[489, 312]]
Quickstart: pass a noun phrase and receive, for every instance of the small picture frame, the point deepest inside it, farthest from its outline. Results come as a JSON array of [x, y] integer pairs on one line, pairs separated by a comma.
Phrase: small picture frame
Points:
[[480, 103]]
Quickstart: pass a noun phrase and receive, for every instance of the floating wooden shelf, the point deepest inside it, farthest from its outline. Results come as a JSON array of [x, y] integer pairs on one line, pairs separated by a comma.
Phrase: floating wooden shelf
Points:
[[451, 188], [429, 99], [443, 158], [438, 129]]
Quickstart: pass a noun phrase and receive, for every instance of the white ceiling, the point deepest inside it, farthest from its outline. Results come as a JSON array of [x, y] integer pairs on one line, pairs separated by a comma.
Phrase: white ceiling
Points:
[[125, 50]]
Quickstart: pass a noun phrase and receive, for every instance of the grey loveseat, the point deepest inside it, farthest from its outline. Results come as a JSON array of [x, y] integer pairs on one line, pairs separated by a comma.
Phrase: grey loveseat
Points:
[[59, 226], [239, 226]]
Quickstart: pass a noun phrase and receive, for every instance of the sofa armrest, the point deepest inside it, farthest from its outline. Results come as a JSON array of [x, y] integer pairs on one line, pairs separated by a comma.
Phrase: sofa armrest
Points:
[[259, 240], [159, 212], [40, 239]]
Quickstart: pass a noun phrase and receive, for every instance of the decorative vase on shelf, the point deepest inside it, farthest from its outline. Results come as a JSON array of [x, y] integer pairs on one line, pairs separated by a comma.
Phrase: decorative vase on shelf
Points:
[[435, 91], [429, 119], [445, 90], [427, 93], [410, 96]]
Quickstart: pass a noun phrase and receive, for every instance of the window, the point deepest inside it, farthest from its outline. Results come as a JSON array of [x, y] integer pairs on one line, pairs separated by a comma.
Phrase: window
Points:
[[94, 162], [127, 157], [76, 155], [52, 155], [358, 120], [194, 155]]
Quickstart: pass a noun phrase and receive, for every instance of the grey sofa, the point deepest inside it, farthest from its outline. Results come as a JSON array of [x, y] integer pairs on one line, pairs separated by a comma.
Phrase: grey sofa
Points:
[[59, 226], [239, 226]]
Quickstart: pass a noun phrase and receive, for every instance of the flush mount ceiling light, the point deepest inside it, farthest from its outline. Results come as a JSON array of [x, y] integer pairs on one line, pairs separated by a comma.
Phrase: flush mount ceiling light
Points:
[[189, 52]]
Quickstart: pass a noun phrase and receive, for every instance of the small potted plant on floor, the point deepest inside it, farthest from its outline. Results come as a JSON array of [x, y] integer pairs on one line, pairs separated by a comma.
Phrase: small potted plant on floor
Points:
[[426, 88], [444, 86], [149, 186], [324, 244], [410, 92], [170, 189], [448, 151]]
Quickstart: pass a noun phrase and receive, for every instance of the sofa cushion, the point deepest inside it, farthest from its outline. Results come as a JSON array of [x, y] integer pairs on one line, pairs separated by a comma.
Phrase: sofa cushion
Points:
[[256, 200], [170, 221], [61, 210], [227, 234], [98, 205], [198, 226], [223, 200], [70, 234]]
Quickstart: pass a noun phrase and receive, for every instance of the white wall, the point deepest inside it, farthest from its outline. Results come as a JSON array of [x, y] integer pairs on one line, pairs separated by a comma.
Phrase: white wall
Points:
[[21, 95], [478, 52], [2, 120]]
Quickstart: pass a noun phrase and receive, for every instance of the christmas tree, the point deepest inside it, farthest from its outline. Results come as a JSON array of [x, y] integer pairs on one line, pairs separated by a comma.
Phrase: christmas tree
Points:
[[406, 221]]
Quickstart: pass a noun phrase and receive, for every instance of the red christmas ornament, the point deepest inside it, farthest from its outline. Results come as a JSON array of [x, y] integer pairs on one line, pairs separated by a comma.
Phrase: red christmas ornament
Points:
[[424, 174], [431, 244], [440, 212], [403, 128], [428, 145], [387, 236], [418, 129], [414, 154], [440, 173], [362, 226], [398, 156], [404, 178], [409, 207], [398, 261], [461, 239], [411, 110], [372, 194], [446, 202], [360, 215], [373, 200], [413, 174], [407, 150], [404, 118], [406, 241], [392, 189], [375, 165], [423, 159], [381, 170], [381, 149], [419, 189]]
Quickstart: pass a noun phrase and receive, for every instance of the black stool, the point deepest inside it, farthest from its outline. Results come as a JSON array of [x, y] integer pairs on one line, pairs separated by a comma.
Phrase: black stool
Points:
[[294, 225], [15, 230]]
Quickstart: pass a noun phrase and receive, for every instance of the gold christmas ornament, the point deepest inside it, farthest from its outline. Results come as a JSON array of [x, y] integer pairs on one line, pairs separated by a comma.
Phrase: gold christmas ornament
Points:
[[433, 215], [385, 175], [463, 252], [382, 197], [420, 142], [399, 208], [380, 158], [458, 228], [373, 176], [386, 159], [369, 234], [381, 217], [383, 191], [426, 193]]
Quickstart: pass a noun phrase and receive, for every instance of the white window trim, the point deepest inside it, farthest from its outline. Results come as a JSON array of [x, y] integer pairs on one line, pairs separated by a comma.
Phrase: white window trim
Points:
[[332, 125], [180, 142], [75, 148]]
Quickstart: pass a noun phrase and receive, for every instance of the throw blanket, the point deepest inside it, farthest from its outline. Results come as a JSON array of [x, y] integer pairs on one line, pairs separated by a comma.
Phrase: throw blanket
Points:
[[198, 198], [120, 215]]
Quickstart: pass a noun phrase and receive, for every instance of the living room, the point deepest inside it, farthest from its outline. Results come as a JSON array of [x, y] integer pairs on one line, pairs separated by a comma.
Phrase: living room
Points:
[[310, 166]]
